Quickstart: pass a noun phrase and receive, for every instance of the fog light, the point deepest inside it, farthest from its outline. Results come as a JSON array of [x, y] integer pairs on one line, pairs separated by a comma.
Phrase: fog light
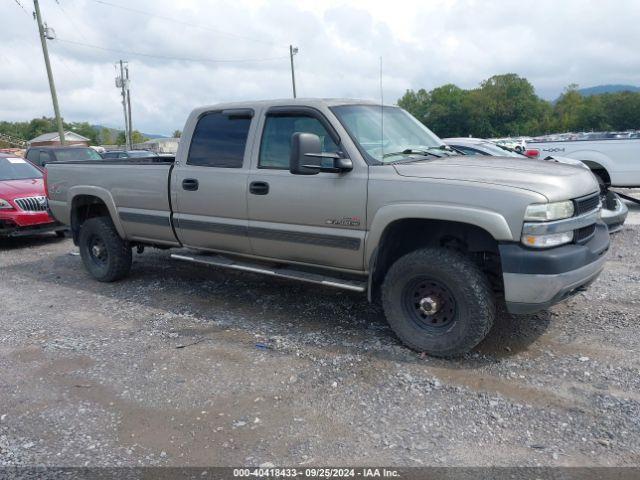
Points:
[[546, 241]]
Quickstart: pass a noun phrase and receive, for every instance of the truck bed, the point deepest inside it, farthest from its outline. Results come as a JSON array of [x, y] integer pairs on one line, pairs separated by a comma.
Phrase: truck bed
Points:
[[619, 157], [136, 192]]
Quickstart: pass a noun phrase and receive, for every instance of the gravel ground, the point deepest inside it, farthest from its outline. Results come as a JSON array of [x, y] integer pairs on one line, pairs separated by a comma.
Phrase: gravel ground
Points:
[[185, 365]]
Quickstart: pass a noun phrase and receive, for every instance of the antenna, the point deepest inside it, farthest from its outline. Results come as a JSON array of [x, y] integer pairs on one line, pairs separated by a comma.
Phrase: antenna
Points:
[[381, 112]]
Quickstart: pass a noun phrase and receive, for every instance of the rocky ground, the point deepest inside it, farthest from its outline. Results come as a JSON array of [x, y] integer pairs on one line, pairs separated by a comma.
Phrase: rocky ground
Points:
[[185, 365]]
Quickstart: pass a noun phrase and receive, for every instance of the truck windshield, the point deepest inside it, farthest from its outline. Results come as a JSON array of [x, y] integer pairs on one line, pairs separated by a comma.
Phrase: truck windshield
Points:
[[388, 134]]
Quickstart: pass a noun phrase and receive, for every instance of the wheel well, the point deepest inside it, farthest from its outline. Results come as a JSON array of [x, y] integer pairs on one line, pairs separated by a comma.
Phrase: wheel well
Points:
[[599, 171], [407, 235], [84, 207]]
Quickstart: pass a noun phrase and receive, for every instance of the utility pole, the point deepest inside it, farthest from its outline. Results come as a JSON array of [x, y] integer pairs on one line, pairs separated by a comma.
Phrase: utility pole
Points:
[[121, 83], [54, 97], [292, 51], [129, 108]]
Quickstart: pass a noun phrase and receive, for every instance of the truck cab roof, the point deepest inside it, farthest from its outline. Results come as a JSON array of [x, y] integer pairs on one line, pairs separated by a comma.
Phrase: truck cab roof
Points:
[[302, 102]]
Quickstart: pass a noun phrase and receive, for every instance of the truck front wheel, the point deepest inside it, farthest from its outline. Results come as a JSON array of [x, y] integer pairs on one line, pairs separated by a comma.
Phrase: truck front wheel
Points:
[[438, 301], [105, 255]]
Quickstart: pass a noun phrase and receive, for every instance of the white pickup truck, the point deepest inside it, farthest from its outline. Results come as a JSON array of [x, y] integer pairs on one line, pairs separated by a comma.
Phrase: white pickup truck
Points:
[[615, 161]]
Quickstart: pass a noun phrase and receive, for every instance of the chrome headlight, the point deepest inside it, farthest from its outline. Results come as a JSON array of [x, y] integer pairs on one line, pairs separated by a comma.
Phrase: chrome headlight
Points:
[[543, 212], [4, 205]]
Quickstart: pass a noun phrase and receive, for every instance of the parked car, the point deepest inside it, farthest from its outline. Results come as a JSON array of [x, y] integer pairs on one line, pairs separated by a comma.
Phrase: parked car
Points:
[[317, 191], [40, 156], [517, 144], [612, 159], [128, 154], [614, 210], [23, 204]]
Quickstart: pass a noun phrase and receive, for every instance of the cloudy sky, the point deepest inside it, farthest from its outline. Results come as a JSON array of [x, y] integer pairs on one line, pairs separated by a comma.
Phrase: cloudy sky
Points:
[[184, 53]]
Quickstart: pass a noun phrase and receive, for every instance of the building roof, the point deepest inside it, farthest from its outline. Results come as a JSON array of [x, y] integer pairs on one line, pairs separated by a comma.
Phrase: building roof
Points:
[[53, 136]]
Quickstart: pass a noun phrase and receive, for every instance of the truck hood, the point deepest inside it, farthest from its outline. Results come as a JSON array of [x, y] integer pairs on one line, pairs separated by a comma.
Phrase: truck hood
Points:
[[556, 181], [31, 187]]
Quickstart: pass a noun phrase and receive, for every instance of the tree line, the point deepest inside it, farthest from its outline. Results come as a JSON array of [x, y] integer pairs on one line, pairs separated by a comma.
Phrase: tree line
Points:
[[507, 105], [30, 129]]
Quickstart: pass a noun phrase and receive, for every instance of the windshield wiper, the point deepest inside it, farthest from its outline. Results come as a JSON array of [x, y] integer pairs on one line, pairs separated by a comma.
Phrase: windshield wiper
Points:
[[410, 151]]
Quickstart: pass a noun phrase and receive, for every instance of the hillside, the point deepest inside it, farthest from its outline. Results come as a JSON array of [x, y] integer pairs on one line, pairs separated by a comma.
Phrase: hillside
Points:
[[600, 89], [115, 131]]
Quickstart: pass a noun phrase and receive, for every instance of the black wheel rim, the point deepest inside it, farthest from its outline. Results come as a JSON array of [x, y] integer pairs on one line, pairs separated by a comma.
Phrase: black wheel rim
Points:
[[97, 251], [429, 304]]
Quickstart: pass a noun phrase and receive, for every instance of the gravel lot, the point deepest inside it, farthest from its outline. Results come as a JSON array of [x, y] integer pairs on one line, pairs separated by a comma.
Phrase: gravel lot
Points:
[[292, 374]]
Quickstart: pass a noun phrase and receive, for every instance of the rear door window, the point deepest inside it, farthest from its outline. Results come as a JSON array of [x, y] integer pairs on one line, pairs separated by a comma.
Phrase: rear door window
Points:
[[219, 140]]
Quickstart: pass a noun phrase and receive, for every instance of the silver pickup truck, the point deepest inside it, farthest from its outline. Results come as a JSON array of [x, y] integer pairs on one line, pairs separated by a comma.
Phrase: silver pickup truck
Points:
[[351, 195]]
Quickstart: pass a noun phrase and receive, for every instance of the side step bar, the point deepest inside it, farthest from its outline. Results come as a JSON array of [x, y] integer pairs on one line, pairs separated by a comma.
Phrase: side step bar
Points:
[[291, 274]]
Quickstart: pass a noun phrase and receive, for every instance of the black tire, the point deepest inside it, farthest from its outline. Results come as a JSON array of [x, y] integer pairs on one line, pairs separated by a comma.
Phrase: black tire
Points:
[[105, 255], [602, 183], [448, 284]]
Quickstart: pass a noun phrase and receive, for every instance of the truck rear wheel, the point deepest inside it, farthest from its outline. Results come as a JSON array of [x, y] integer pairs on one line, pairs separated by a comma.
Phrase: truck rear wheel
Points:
[[105, 255], [438, 301]]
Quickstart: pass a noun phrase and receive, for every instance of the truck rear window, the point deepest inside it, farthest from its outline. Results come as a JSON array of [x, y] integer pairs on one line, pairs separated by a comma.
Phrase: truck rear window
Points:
[[219, 140]]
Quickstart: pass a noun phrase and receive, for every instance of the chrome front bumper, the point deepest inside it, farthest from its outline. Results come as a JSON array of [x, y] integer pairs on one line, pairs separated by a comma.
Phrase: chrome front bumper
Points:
[[534, 280], [615, 218], [528, 293]]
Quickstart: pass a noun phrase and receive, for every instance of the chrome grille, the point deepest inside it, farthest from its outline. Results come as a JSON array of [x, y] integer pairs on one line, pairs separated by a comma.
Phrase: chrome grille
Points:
[[32, 204], [587, 204]]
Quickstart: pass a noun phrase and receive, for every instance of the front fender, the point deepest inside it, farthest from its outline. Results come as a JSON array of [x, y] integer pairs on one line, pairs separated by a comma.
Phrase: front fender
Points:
[[494, 223]]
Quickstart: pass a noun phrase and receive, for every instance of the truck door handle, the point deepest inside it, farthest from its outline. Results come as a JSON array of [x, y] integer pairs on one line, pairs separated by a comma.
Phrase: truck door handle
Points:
[[190, 184], [259, 188]]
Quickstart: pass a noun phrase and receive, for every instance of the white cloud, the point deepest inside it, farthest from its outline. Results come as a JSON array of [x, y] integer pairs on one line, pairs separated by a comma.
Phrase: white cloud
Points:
[[423, 45]]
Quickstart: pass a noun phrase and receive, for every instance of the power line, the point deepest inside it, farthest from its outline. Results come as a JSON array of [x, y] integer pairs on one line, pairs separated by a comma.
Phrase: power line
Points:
[[182, 22], [22, 7], [170, 57], [70, 20]]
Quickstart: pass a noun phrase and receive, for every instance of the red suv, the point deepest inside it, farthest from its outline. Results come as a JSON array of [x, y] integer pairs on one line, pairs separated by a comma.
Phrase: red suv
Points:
[[23, 204]]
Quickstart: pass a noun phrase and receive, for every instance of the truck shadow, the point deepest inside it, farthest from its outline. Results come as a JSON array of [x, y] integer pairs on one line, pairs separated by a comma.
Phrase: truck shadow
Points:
[[16, 243], [317, 317]]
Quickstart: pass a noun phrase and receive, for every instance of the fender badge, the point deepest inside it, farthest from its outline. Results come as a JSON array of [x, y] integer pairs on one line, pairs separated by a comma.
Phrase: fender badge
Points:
[[344, 221]]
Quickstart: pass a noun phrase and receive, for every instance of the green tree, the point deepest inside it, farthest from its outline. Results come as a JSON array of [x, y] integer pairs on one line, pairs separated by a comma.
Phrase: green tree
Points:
[[38, 126], [137, 137], [121, 139], [177, 133], [567, 109], [416, 103], [106, 137], [510, 102], [622, 110], [86, 130], [447, 113]]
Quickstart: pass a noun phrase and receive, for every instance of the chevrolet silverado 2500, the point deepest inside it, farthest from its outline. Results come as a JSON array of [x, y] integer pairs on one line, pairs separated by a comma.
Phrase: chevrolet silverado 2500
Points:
[[352, 195]]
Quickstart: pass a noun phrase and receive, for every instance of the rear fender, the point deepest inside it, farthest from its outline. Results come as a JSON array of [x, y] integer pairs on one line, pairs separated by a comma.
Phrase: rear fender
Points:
[[104, 195]]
